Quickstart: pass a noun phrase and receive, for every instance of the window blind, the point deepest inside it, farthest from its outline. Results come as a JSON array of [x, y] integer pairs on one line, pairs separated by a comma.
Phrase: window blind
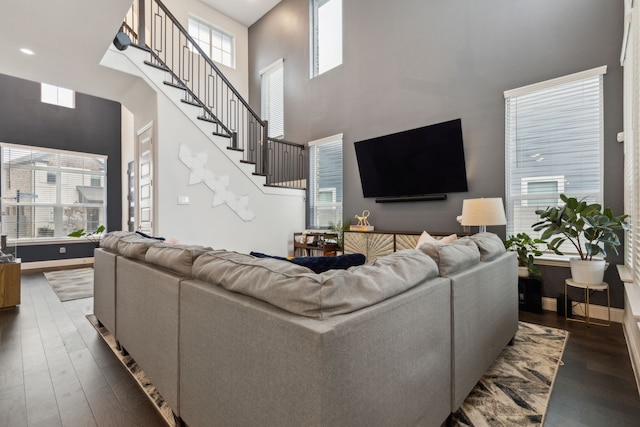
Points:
[[324, 203], [553, 145], [272, 98]]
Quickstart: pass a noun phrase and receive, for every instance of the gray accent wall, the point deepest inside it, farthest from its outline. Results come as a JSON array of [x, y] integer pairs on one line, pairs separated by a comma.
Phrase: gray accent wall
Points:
[[411, 63], [94, 126]]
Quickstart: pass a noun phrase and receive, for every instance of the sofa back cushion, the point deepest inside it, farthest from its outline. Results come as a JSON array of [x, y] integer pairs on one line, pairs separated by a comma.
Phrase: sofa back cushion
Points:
[[110, 240], [490, 245], [135, 246], [177, 258], [298, 290], [452, 257]]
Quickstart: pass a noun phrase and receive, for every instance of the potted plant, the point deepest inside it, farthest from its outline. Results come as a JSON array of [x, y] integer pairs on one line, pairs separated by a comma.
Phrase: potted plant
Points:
[[589, 228], [339, 229], [527, 248], [92, 237]]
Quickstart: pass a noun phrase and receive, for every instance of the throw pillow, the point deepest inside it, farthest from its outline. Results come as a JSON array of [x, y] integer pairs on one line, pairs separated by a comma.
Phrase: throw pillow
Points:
[[490, 245], [320, 264], [428, 238]]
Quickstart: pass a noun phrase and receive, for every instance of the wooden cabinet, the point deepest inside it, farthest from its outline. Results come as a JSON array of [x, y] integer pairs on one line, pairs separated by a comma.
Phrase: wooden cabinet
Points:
[[9, 285], [314, 244]]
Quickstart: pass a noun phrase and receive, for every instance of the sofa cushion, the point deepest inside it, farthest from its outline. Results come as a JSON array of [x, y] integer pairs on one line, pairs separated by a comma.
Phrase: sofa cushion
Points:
[[454, 256], [428, 238], [490, 245], [135, 246], [110, 240], [298, 290], [320, 264], [178, 258]]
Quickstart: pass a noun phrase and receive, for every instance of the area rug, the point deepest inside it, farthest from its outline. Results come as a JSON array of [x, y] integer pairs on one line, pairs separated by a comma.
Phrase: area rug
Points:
[[516, 389], [71, 284], [135, 371]]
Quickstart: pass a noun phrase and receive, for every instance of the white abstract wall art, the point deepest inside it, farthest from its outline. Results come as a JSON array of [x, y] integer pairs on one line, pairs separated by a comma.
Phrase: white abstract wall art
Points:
[[219, 185]]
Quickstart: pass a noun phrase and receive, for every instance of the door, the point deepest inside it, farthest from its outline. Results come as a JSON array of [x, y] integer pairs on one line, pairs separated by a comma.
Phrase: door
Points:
[[145, 218]]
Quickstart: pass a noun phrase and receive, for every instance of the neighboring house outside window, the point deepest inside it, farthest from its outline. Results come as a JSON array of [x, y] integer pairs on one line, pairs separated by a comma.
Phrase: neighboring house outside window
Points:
[[50, 193], [272, 98], [553, 145], [326, 35], [324, 203], [217, 44]]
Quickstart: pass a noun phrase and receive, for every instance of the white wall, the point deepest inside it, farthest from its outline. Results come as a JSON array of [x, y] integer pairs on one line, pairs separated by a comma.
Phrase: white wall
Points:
[[127, 148], [277, 217], [239, 76]]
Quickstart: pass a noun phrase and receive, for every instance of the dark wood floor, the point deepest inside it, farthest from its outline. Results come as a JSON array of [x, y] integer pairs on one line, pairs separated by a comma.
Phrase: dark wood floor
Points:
[[595, 386], [56, 371]]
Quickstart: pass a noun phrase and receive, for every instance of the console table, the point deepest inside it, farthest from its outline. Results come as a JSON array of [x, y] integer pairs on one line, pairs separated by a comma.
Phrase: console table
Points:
[[314, 244], [9, 285]]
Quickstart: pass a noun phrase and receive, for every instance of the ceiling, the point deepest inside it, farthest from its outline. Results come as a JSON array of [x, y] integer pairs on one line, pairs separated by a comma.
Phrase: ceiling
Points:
[[70, 37], [245, 12]]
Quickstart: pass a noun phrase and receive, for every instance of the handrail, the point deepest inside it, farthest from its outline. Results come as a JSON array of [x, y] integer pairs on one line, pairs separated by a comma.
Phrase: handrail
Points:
[[173, 50]]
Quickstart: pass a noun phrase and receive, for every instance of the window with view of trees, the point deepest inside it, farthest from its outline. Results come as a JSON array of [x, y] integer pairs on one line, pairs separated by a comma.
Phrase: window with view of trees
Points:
[[50, 193], [324, 204]]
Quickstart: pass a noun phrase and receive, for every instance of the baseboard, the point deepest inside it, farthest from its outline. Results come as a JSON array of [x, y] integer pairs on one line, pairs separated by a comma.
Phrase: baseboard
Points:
[[58, 263], [634, 352], [596, 311]]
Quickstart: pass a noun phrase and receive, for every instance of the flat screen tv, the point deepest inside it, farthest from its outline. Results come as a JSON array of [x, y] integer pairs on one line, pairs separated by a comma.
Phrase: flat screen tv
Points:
[[418, 162]]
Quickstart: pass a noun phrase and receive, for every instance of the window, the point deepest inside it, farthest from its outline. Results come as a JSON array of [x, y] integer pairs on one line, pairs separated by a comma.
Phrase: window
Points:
[[49, 193], [324, 204], [213, 41], [272, 97], [553, 145], [326, 36], [57, 96]]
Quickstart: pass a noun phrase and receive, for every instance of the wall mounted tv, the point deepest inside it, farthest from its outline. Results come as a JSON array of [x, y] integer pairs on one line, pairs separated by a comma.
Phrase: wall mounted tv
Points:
[[417, 164]]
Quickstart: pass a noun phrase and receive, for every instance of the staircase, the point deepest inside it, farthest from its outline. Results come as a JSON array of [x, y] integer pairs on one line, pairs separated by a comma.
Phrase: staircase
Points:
[[167, 47]]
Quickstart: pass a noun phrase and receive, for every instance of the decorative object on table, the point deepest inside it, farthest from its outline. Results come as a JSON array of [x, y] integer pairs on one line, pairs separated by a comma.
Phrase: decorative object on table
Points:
[[527, 248], [482, 212], [93, 237], [363, 222], [589, 228]]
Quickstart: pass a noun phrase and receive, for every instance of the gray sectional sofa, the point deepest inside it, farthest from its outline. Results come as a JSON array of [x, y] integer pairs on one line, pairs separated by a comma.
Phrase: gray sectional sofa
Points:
[[230, 339]]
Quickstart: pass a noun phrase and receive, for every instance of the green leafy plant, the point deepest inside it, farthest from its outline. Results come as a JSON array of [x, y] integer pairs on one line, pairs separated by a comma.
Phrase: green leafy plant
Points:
[[527, 248], [588, 227], [339, 229], [93, 237]]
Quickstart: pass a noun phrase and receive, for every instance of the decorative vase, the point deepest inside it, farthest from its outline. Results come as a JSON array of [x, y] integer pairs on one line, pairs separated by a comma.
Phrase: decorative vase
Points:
[[523, 271], [587, 272]]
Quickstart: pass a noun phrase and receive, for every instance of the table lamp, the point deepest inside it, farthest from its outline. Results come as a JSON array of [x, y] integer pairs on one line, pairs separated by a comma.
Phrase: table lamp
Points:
[[483, 212]]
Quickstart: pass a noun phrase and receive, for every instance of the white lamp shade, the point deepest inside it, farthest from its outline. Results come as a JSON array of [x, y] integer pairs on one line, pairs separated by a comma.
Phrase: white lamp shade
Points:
[[478, 212]]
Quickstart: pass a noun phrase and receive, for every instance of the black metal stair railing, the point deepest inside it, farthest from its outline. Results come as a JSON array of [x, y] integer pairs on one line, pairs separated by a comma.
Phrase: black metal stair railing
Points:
[[173, 50]]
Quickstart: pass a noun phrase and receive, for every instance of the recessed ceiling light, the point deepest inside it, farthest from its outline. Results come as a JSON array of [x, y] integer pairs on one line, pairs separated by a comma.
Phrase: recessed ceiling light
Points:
[[27, 51]]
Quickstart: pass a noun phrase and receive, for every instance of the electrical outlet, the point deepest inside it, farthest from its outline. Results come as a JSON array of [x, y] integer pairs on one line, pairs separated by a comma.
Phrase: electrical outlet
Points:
[[63, 250]]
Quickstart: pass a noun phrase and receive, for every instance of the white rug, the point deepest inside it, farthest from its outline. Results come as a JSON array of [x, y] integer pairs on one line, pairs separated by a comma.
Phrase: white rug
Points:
[[71, 284]]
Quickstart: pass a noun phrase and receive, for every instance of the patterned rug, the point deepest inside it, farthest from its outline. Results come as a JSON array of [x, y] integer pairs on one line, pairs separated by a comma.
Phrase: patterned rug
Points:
[[71, 284], [135, 371], [515, 391]]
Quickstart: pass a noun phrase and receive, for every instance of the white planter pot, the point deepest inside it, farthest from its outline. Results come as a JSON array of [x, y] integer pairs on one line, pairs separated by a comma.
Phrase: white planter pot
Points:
[[588, 272], [523, 272]]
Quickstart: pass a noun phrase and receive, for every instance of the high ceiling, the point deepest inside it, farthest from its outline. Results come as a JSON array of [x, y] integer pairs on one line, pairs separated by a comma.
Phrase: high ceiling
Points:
[[244, 11], [69, 38]]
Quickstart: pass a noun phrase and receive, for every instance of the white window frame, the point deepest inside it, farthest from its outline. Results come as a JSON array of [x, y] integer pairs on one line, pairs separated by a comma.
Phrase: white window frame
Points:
[[272, 98], [313, 206], [41, 195], [56, 95], [512, 159], [334, 40], [213, 33]]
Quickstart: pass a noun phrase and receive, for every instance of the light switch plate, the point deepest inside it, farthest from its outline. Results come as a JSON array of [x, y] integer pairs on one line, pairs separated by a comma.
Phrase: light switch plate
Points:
[[183, 200]]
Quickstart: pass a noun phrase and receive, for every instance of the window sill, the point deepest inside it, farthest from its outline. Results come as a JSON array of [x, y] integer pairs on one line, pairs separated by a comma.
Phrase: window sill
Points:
[[47, 241]]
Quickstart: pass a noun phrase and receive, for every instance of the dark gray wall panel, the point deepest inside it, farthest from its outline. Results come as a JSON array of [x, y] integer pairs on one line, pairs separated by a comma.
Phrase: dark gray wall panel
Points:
[[94, 126], [413, 62]]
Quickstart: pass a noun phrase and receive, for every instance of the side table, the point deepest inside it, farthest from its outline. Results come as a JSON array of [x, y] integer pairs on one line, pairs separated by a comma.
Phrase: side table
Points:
[[9, 285], [587, 287]]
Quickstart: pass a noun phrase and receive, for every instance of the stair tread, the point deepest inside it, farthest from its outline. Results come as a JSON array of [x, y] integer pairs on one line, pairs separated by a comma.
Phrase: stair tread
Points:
[[195, 104], [235, 149], [176, 85], [221, 134], [248, 162], [208, 119], [158, 66]]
